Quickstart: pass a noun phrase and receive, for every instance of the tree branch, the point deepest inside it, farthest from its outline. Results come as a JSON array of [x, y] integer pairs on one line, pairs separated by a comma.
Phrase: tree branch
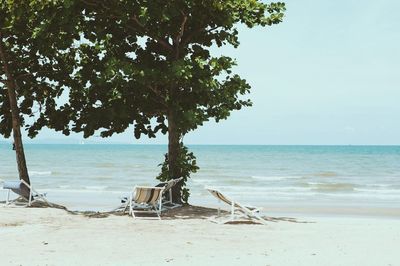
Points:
[[89, 3], [178, 38], [196, 31], [158, 93], [162, 42], [181, 31]]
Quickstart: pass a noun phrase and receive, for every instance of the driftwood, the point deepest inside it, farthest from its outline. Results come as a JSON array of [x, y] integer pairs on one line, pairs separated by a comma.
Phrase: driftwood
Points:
[[185, 212]]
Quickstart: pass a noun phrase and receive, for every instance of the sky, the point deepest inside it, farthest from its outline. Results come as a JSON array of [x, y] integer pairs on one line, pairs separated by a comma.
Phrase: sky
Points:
[[328, 75]]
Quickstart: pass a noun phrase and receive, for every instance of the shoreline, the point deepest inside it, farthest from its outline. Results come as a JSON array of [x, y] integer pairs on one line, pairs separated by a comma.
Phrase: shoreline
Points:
[[108, 201]]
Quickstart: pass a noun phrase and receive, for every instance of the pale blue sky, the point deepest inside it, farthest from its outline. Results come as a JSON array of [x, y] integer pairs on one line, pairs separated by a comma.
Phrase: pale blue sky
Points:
[[329, 74]]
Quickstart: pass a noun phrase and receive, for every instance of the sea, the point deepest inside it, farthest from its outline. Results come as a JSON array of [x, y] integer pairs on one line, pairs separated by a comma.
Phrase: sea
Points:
[[96, 176]]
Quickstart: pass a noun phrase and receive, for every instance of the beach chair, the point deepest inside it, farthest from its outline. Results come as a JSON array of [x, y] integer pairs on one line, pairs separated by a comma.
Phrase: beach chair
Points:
[[146, 200], [167, 194], [17, 188], [237, 210], [167, 202]]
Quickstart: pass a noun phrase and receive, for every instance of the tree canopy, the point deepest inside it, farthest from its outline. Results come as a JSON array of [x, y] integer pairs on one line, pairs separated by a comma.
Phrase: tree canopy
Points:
[[143, 59], [149, 64], [37, 45], [129, 62]]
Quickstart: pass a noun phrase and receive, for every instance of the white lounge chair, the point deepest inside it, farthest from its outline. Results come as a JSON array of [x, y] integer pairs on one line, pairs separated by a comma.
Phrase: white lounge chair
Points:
[[146, 200], [17, 188], [237, 210]]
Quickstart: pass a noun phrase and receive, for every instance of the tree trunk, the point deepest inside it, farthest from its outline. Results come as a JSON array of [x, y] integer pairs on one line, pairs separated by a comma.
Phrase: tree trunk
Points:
[[16, 124], [173, 152]]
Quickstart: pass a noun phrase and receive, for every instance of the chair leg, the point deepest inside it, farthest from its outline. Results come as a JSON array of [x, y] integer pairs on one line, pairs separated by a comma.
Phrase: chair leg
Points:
[[219, 208], [232, 211], [30, 197], [130, 206], [8, 197], [159, 208], [39, 196], [126, 207]]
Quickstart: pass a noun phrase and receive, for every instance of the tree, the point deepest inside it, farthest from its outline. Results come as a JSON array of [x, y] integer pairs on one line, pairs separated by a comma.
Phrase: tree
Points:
[[149, 63], [35, 63]]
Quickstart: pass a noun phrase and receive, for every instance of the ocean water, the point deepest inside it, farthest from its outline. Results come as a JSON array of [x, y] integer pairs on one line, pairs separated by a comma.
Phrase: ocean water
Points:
[[96, 176]]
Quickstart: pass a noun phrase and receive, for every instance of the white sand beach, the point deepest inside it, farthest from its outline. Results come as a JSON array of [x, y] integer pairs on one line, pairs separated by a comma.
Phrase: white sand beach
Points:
[[45, 236]]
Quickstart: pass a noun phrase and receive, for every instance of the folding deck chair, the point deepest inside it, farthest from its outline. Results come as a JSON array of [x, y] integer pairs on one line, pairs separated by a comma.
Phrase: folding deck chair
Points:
[[237, 209], [146, 200], [17, 188], [167, 194]]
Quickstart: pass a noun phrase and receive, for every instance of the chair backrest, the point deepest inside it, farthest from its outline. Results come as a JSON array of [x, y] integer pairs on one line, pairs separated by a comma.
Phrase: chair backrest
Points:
[[162, 184], [237, 205], [171, 183], [15, 186], [220, 196], [149, 195], [18, 187], [12, 185]]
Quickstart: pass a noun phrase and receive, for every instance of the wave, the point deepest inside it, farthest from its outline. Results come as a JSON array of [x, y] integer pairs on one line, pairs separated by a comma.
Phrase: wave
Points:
[[275, 178], [331, 187], [379, 185], [105, 165], [203, 181], [96, 188], [379, 191], [39, 173], [64, 186], [325, 174], [83, 191], [264, 189]]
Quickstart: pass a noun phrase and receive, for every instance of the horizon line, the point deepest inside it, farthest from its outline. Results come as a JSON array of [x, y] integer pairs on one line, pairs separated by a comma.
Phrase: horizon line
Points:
[[193, 144]]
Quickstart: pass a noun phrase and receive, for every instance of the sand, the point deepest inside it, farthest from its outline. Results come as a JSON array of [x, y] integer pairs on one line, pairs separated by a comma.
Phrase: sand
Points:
[[46, 236]]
